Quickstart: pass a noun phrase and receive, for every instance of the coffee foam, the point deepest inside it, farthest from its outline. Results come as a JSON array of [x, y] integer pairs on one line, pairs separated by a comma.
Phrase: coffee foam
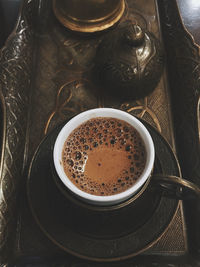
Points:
[[104, 156]]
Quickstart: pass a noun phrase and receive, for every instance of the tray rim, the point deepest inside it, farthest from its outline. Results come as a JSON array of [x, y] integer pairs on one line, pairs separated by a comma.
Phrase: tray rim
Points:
[[12, 35]]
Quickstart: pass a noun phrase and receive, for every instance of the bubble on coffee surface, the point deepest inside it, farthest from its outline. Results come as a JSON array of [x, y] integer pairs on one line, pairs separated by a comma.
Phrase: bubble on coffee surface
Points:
[[104, 156]]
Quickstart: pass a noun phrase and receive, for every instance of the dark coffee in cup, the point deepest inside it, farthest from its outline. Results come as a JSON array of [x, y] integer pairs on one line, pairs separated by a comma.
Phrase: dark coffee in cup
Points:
[[104, 156]]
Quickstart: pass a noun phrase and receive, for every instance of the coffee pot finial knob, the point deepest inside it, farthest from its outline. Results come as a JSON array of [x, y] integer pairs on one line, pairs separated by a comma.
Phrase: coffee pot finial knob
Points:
[[134, 35]]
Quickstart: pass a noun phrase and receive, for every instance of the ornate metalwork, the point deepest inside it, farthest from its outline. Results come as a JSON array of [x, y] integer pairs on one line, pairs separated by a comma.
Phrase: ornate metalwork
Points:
[[129, 62], [184, 77], [62, 87], [143, 108], [65, 81], [15, 83], [185, 55]]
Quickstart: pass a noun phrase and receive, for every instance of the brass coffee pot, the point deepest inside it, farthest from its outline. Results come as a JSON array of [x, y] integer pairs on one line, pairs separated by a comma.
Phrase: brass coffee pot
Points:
[[88, 15]]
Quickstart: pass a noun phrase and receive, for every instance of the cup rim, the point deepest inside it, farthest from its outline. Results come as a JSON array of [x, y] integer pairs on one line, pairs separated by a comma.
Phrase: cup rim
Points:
[[108, 113]]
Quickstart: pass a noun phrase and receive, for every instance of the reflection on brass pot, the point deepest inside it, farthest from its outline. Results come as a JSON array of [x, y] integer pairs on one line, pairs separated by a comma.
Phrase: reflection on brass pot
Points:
[[129, 62], [88, 15]]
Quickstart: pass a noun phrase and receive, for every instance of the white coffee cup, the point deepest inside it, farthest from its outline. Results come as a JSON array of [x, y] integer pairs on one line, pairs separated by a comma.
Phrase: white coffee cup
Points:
[[111, 113]]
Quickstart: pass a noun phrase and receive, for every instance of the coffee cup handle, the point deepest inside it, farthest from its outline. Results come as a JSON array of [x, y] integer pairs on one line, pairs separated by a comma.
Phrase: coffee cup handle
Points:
[[176, 187]]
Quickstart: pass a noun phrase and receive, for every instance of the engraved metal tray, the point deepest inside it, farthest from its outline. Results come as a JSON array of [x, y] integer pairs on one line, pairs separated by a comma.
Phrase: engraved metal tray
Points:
[[45, 80]]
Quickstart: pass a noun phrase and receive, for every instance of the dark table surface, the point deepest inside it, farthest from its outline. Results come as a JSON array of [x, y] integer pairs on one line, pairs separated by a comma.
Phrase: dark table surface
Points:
[[190, 12], [9, 10]]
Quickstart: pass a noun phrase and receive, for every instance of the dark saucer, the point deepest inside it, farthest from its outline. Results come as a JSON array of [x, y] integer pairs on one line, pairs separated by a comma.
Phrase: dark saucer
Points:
[[100, 235]]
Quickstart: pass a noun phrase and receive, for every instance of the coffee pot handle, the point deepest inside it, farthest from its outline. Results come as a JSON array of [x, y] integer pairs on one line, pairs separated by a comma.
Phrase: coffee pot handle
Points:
[[176, 187]]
